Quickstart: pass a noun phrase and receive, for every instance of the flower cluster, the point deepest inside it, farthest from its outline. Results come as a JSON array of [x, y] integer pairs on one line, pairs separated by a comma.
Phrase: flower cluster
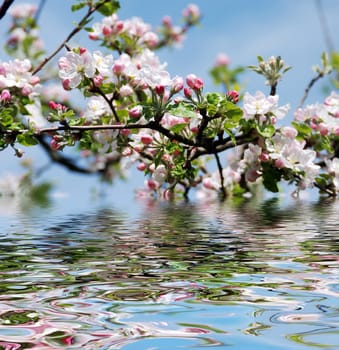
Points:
[[137, 114]]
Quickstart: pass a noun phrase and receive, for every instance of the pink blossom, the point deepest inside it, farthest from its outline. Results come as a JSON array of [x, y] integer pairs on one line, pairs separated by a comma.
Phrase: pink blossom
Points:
[[160, 90], [135, 112], [54, 144], [74, 67], [23, 11], [188, 92], [177, 84], [194, 82], [232, 96], [107, 31], [167, 21], [98, 80], [126, 90], [160, 174], [192, 11], [289, 132], [142, 166], [151, 184], [222, 60], [169, 120], [146, 139], [150, 39], [5, 96], [118, 68], [258, 105]]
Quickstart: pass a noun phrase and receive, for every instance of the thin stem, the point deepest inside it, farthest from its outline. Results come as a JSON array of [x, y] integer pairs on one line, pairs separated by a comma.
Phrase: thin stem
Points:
[[308, 88]]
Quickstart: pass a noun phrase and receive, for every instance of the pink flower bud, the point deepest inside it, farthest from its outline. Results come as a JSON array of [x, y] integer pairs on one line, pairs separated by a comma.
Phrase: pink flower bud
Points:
[[118, 68], [151, 184], [5, 95], [97, 80], [107, 31], [222, 60], [135, 112], [188, 92], [66, 84], [232, 96], [279, 163], [82, 50], [146, 139], [52, 105], [93, 36], [264, 157], [125, 132], [166, 157], [160, 90], [127, 152], [142, 166], [34, 80], [54, 144], [26, 90], [251, 175], [177, 84], [323, 129], [194, 82], [167, 21], [118, 27]]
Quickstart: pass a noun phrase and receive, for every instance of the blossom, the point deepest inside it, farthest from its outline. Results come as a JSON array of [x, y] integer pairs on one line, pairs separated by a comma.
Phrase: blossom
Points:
[[260, 105], [74, 67], [222, 60], [194, 82], [287, 152], [332, 104], [96, 107], [333, 170], [103, 63], [23, 11], [135, 112], [169, 120], [126, 90]]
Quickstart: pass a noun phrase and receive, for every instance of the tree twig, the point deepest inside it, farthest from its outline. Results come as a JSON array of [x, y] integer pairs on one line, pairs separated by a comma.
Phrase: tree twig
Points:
[[4, 7], [309, 86]]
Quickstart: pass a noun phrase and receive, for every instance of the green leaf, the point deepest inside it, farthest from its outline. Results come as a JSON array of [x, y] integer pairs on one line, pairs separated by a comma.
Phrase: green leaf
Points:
[[27, 139], [302, 128], [271, 176], [109, 7], [324, 144], [266, 131], [177, 128], [182, 110], [79, 6], [214, 98]]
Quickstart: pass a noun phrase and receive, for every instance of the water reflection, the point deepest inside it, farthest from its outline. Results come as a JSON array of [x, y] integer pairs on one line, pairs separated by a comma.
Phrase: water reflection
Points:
[[250, 274]]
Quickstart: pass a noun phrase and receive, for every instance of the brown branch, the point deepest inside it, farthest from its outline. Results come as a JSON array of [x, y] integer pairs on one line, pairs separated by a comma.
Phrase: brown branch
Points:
[[222, 180], [4, 7], [309, 86]]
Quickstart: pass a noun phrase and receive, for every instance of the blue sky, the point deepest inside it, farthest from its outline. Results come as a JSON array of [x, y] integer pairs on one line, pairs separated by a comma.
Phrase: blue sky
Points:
[[242, 29]]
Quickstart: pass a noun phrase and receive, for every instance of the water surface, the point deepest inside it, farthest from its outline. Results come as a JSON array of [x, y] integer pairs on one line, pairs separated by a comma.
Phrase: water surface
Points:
[[256, 275]]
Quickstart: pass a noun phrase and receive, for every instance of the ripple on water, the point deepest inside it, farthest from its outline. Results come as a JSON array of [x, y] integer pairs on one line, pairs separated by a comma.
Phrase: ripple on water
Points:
[[248, 276]]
